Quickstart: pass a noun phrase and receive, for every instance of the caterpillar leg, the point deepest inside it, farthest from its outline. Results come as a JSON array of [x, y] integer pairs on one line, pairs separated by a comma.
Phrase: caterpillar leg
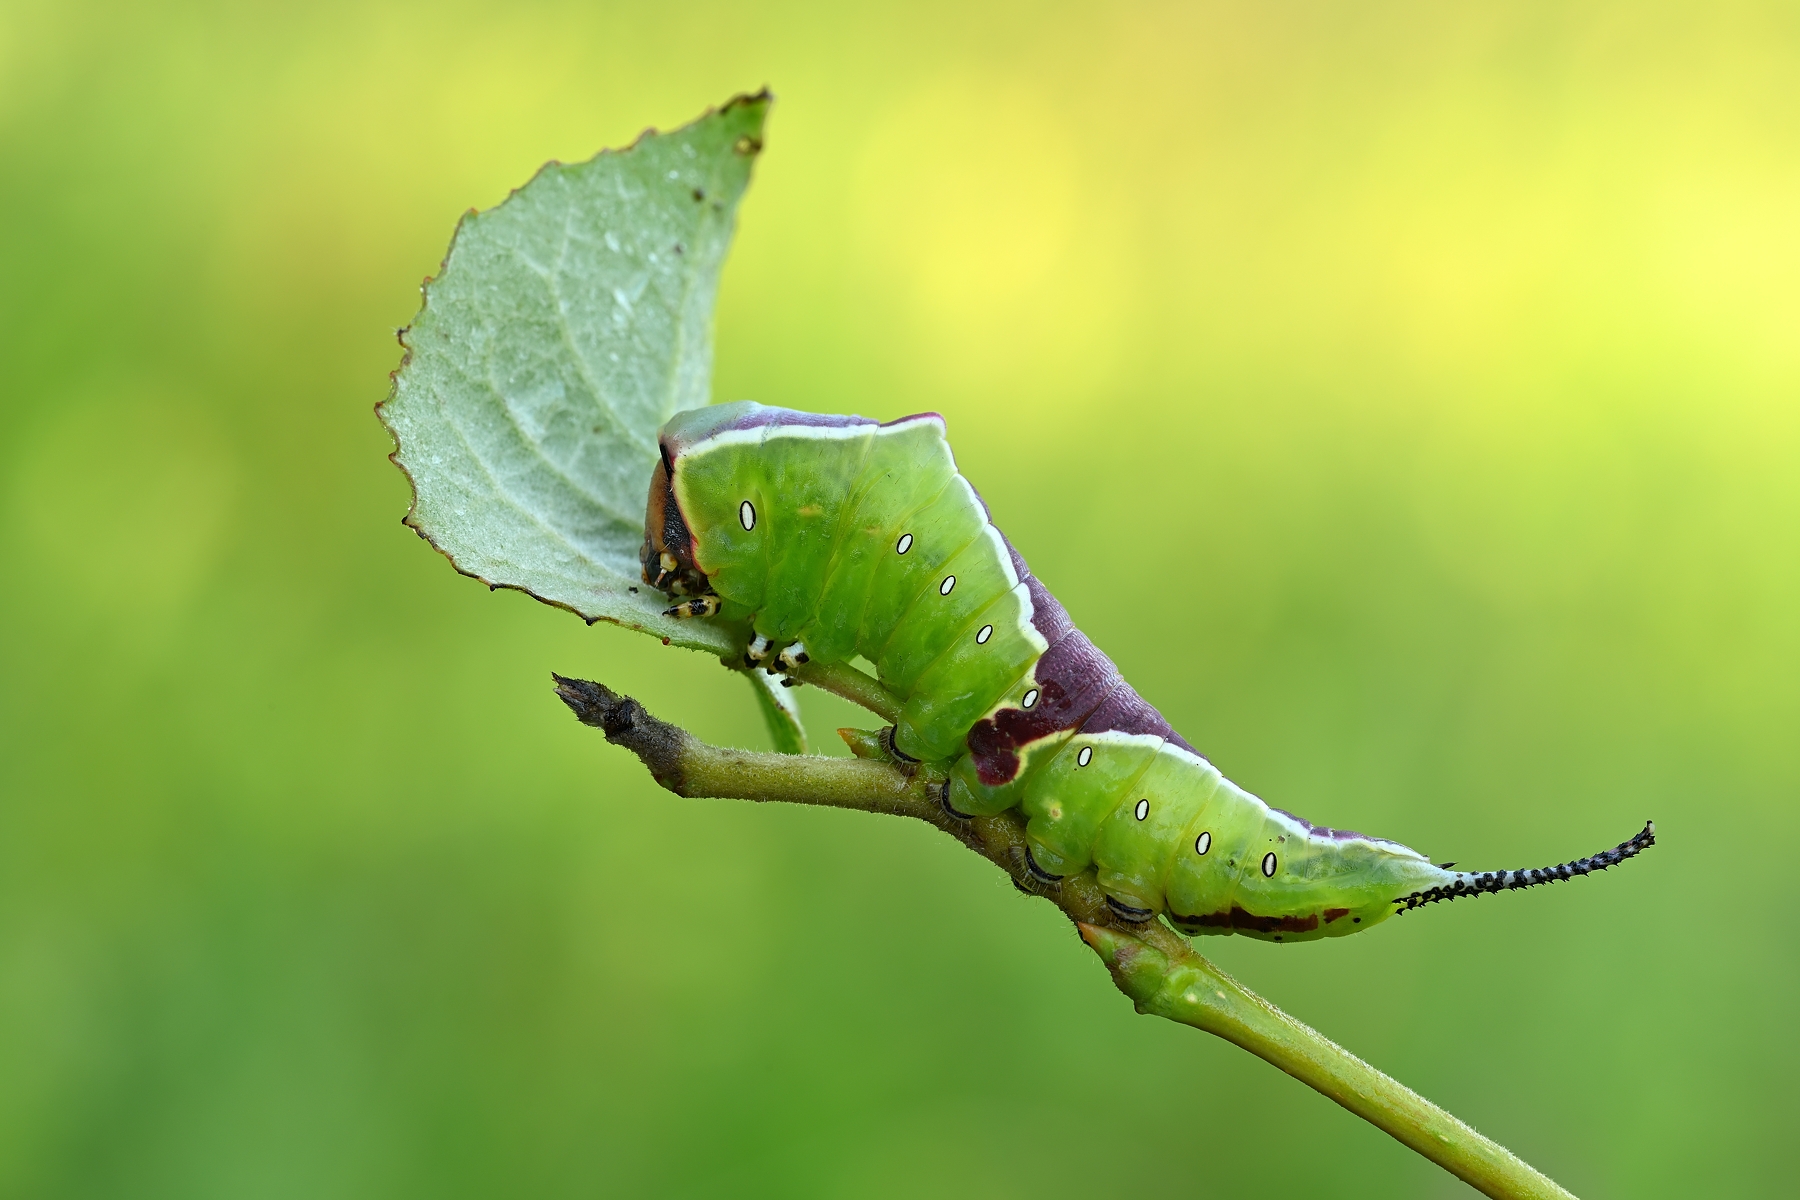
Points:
[[944, 798], [1037, 872], [756, 651], [699, 606], [905, 759], [1125, 912]]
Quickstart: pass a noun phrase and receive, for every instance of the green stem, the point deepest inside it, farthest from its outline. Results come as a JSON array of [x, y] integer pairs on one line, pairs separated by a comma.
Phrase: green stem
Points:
[[1150, 963], [1185, 987], [858, 687]]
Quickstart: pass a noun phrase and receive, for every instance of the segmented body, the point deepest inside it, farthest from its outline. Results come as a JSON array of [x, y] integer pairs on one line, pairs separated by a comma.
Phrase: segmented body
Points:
[[834, 536]]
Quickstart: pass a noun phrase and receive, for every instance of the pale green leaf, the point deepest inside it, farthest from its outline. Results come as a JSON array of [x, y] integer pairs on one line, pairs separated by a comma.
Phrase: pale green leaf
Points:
[[780, 712], [567, 324]]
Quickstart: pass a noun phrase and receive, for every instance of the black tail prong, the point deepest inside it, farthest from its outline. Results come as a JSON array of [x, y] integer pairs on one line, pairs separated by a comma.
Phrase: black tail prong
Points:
[[1477, 883]]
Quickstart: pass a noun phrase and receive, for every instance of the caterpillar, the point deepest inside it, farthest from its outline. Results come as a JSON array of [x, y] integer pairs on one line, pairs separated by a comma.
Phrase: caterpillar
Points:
[[827, 537]]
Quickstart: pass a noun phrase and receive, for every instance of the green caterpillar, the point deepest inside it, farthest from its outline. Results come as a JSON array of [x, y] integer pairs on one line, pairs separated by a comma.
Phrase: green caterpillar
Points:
[[833, 536]]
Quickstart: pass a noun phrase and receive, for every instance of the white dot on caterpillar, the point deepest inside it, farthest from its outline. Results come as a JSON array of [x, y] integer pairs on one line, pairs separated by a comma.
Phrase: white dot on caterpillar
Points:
[[747, 516], [1030, 698], [987, 631], [1143, 809], [1085, 757], [1269, 864], [904, 544], [944, 587], [1203, 843]]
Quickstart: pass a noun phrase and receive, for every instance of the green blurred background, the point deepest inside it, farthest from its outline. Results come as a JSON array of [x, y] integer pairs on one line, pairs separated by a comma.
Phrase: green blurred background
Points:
[[1431, 369]]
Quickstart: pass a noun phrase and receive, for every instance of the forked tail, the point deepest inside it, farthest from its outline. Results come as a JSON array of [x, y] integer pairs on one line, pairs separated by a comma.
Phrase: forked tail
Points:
[[1474, 883]]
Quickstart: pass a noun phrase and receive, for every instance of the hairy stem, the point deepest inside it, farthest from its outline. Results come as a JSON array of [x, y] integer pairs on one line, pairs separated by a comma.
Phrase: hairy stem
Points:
[[1150, 963]]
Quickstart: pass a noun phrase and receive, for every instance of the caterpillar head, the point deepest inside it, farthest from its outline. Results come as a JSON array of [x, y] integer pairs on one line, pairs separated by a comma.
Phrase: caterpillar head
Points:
[[667, 556]]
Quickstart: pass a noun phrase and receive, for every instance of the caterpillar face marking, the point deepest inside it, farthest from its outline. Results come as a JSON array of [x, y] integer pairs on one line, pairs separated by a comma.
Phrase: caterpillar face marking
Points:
[[666, 557], [1101, 779]]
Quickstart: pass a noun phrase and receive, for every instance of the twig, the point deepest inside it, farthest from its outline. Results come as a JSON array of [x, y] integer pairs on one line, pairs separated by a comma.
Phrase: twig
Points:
[[1150, 963]]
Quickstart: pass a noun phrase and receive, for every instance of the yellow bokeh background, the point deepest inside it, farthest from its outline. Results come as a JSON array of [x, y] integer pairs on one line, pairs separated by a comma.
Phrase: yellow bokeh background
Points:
[[1407, 396]]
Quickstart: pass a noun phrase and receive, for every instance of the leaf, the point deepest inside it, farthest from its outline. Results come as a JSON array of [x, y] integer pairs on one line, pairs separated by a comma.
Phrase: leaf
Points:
[[780, 710], [566, 325]]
